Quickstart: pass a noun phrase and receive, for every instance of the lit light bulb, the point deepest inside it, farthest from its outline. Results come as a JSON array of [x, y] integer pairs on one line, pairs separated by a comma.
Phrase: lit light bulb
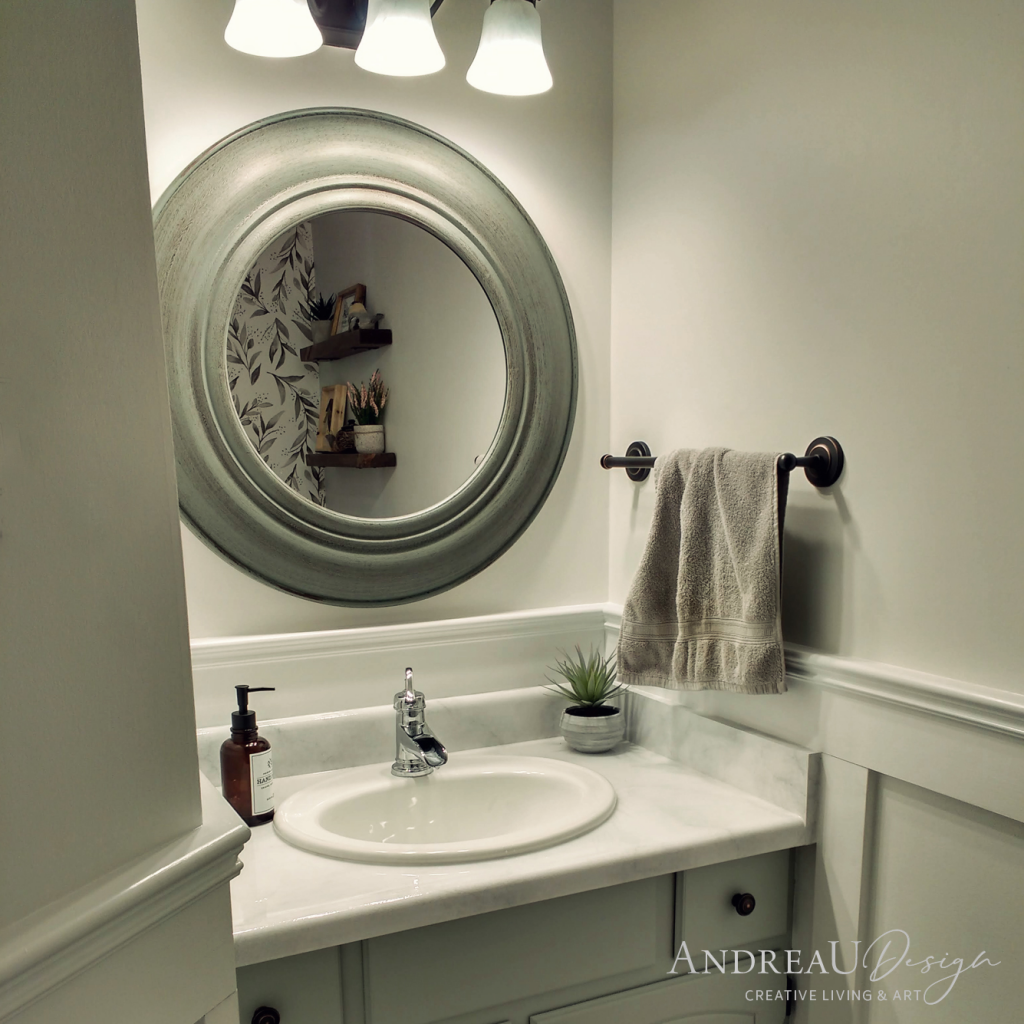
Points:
[[510, 59], [399, 39], [273, 28]]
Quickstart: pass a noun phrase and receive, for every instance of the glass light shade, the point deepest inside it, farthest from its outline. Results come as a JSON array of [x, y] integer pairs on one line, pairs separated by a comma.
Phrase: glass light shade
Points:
[[273, 28], [510, 59], [399, 39]]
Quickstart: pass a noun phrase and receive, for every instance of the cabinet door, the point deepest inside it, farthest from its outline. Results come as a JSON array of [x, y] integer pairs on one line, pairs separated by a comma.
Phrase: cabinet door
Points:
[[495, 959], [694, 999]]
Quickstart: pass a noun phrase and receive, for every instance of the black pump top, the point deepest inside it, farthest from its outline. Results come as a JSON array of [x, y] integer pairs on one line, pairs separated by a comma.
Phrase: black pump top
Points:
[[244, 720]]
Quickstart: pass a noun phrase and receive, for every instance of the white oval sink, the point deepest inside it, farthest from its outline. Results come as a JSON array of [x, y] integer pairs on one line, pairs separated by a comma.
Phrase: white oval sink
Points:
[[474, 808]]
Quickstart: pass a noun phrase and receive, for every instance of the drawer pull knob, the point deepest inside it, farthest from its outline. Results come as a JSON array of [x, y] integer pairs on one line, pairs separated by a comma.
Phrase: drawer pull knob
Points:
[[744, 903], [266, 1015]]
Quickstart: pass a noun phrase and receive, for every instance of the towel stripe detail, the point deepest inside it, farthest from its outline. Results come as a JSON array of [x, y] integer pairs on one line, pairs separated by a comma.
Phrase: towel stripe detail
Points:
[[701, 629]]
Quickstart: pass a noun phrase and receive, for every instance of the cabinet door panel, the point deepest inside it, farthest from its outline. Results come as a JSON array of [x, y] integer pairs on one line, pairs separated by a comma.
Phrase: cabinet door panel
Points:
[[693, 999], [706, 918], [492, 959]]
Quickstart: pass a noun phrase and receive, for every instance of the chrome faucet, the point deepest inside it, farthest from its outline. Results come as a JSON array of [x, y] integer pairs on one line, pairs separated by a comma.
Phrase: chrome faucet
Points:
[[417, 751]]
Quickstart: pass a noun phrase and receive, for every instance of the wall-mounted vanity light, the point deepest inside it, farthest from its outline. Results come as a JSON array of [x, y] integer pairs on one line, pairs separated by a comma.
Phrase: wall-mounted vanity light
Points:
[[396, 37]]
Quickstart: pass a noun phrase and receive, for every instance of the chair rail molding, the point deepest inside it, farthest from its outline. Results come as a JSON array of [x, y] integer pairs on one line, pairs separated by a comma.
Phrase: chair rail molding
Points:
[[968, 704], [953, 737], [342, 669], [60, 941]]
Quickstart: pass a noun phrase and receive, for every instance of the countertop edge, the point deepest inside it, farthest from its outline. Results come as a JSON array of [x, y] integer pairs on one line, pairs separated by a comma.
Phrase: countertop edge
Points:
[[258, 945]]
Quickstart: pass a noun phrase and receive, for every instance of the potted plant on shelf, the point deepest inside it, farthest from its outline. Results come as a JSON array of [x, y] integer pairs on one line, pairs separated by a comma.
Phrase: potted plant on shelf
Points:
[[589, 724], [321, 315], [367, 405]]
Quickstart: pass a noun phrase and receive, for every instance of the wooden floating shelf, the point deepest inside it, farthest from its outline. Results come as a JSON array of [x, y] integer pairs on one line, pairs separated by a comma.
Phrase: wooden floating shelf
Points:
[[348, 343], [349, 460]]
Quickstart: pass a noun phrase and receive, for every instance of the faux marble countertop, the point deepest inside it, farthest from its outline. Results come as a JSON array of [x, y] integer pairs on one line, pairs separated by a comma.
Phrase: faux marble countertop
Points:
[[669, 818]]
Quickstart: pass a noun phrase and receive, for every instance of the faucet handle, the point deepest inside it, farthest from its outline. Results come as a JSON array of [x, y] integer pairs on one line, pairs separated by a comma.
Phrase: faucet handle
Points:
[[409, 700]]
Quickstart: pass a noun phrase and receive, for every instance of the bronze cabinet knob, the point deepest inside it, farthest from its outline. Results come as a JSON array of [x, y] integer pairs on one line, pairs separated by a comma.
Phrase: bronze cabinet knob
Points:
[[744, 903]]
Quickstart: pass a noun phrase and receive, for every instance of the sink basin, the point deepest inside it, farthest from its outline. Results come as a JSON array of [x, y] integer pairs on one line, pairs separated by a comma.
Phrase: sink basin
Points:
[[475, 808]]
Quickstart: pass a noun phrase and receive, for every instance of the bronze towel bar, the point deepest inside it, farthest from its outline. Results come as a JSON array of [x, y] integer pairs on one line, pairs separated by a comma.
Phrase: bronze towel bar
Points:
[[822, 462]]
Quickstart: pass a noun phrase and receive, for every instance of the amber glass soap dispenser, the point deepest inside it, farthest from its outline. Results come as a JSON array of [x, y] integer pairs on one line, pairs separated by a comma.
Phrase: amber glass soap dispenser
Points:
[[246, 767]]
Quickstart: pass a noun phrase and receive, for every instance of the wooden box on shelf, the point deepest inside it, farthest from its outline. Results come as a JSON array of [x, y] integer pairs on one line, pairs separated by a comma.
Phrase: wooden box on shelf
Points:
[[332, 416]]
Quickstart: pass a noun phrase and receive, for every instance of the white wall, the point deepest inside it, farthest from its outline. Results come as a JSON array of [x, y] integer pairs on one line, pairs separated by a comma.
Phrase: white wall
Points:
[[113, 879], [97, 730], [819, 228], [553, 153], [445, 367]]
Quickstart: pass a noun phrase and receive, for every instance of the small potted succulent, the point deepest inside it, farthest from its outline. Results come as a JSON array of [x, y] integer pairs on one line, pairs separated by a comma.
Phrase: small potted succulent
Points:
[[589, 724], [366, 404], [321, 313]]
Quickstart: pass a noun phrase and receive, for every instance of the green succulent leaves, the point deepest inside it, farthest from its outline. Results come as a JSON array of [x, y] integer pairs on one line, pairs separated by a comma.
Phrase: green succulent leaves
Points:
[[321, 308], [591, 680]]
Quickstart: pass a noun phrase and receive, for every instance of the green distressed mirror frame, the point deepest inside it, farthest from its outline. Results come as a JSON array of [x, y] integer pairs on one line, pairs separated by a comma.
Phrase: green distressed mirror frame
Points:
[[210, 226]]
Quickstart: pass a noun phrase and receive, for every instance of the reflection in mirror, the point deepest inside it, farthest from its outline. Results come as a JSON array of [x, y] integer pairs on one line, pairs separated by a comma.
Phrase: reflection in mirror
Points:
[[276, 394], [428, 329]]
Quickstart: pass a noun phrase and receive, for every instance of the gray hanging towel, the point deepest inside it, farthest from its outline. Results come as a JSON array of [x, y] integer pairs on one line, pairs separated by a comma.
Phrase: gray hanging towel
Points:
[[703, 612]]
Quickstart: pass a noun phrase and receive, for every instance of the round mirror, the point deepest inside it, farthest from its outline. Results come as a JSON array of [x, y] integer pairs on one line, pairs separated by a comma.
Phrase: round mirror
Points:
[[300, 364], [394, 440]]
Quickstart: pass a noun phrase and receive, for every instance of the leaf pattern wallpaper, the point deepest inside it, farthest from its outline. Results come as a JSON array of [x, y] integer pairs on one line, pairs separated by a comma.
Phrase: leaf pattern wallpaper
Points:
[[276, 394]]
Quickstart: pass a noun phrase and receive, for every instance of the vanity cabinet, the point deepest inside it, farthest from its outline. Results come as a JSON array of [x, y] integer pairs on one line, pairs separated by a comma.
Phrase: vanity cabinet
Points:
[[598, 957], [599, 941]]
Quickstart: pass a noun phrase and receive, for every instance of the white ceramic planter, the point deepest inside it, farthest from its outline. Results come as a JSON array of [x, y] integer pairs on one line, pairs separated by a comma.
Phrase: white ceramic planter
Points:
[[369, 438], [592, 734], [321, 330]]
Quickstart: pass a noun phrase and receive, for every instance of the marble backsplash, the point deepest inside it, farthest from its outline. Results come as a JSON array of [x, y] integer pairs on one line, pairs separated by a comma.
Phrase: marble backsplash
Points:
[[781, 773], [344, 739]]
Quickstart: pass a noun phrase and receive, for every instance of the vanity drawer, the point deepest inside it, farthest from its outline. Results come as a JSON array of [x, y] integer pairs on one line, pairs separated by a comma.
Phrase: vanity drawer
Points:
[[304, 989], [455, 968], [707, 919]]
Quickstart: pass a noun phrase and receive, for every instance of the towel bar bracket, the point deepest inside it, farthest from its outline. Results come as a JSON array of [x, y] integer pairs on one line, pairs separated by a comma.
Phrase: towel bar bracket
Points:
[[637, 463], [822, 463]]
